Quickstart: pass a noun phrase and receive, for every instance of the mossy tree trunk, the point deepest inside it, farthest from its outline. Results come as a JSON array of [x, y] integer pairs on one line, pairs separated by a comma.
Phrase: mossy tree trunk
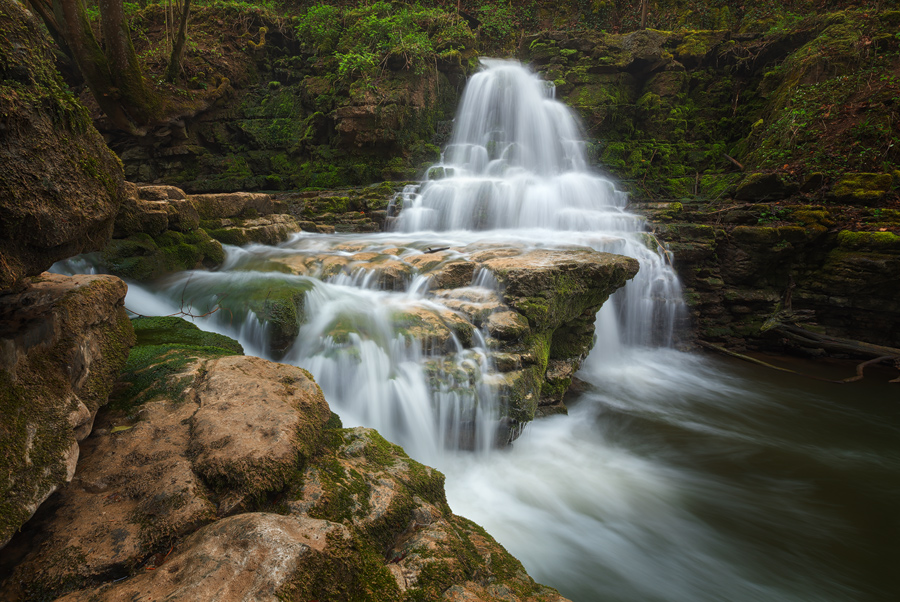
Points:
[[112, 71], [174, 66]]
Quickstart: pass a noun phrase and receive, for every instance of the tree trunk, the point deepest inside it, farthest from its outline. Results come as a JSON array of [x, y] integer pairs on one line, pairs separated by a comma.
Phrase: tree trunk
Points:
[[174, 67], [114, 74], [133, 93], [644, 7]]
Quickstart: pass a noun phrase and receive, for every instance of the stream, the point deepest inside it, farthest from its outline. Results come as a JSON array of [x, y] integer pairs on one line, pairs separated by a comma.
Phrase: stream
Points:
[[675, 476]]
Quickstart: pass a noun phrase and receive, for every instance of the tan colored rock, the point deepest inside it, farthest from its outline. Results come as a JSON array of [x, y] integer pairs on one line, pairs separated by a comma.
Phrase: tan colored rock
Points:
[[267, 230], [256, 421], [553, 286], [390, 274], [454, 274], [222, 432], [60, 185], [62, 344], [434, 327], [507, 325], [232, 204], [244, 557], [138, 215], [161, 193]]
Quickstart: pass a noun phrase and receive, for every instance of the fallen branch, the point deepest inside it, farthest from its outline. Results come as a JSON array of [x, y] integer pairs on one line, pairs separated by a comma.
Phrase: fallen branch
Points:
[[747, 358], [727, 156], [814, 340], [860, 368]]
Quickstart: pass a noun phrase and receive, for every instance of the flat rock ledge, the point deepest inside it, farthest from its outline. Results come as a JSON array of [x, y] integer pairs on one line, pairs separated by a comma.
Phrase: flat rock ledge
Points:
[[214, 476], [62, 343]]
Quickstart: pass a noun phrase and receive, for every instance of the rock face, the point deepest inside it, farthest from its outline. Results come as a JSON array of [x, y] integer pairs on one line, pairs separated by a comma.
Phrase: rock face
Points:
[[787, 262], [214, 476], [62, 344], [60, 186]]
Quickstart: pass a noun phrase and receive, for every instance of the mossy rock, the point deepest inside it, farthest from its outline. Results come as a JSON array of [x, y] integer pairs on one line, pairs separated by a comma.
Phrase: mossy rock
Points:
[[869, 241], [861, 188], [166, 346], [143, 257], [764, 187], [171, 330]]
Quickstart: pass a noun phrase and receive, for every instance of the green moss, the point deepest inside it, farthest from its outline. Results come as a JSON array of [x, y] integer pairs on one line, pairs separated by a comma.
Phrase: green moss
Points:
[[349, 569], [868, 241], [861, 188], [178, 331], [142, 257], [166, 348]]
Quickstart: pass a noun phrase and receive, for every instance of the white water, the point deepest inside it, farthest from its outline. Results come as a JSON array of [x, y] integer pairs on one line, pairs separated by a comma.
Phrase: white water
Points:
[[671, 479]]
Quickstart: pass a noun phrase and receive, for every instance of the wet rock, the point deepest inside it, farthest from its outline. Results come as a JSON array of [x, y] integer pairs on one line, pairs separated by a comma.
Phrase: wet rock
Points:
[[435, 328], [62, 344], [60, 186]]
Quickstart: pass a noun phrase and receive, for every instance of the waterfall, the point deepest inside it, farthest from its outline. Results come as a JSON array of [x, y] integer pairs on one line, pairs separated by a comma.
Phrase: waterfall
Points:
[[516, 161], [675, 477]]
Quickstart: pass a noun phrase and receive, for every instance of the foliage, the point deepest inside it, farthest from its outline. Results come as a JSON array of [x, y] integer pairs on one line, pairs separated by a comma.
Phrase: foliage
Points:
[[833, 101], [366, 40]]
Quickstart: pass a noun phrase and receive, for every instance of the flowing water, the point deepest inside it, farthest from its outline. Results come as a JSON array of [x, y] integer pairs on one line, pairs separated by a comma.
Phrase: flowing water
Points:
[[674, 477]]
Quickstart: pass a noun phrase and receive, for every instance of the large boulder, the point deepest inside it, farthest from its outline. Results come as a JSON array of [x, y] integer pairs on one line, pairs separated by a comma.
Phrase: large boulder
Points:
[[62, 344], [214, 476], [60, 186]]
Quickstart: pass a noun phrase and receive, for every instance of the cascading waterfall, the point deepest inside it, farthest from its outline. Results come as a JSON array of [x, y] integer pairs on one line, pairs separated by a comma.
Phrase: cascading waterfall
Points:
[[516, 161], [675, 478]]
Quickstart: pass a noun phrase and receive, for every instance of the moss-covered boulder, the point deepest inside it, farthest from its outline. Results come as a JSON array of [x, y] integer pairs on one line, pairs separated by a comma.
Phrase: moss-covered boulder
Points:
[[862, 188], [764, 187], [62, 344], [60, 186], [144, 257]]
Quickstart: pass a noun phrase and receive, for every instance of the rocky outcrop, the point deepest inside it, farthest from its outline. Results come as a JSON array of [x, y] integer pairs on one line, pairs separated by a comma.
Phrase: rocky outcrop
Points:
[[60, 186], [224, 477], [62, 344], [539, 320], [751, 263], [160, 230]]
